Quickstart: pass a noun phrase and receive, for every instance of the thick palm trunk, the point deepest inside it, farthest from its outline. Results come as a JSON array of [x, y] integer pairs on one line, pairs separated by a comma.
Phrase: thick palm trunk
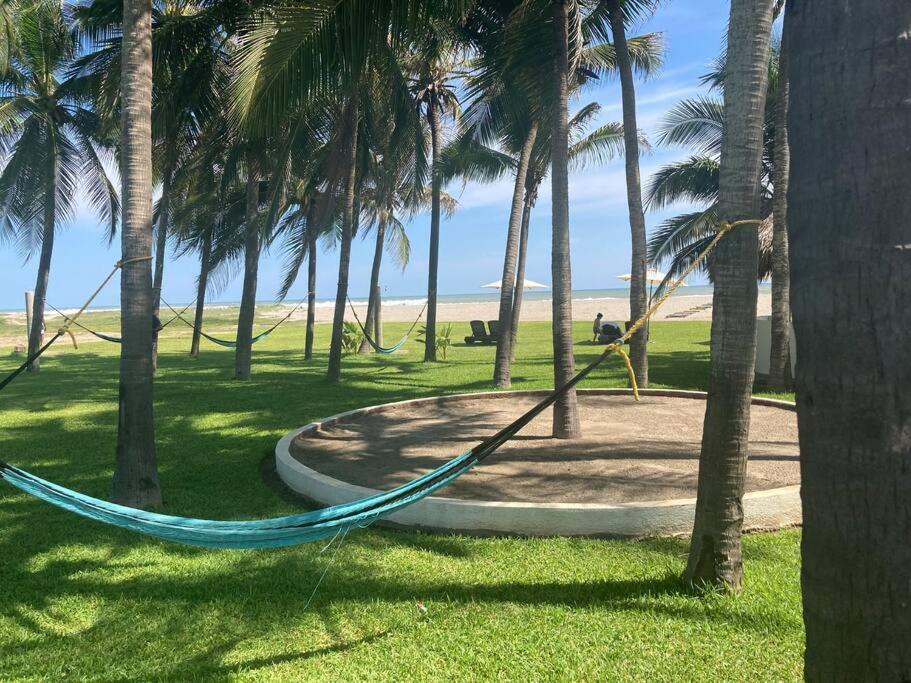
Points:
[[164, 210], [715, 549], [344, 260], [638, 293], [850, 222], [520, 273], [566, 423], [369, 320], [508, 285], [135, 470], [311, 291], [36, 333], [205, 255], [436, 186], [243, 355], [780, 358]]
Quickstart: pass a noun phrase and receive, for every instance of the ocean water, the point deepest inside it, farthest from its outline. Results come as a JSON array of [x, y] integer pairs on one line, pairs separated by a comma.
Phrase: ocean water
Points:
[[484, 296]]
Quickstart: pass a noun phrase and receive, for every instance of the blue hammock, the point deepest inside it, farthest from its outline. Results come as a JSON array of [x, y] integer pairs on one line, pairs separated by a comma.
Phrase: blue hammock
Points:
[[281, 531], [386, 349], [228, 343]]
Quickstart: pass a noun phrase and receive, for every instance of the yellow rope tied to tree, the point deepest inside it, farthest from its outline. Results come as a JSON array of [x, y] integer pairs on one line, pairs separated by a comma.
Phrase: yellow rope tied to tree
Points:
[[617, 346], [68, 322]]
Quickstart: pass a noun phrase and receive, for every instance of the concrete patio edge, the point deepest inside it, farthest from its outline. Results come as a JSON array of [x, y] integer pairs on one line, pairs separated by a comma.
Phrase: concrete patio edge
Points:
[[763, 510]]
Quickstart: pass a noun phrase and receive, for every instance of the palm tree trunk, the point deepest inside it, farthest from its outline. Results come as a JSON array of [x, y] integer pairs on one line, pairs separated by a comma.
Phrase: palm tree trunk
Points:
[[780, 358], [850, 235], [36, 333], [715, 550], [436, 186], [638, 292], [520, 272], [243, 355], [311, 288], [205, 255], [164, 208], [135, 469], [566, 423], [374, 283], [502, 366], [344, 261]]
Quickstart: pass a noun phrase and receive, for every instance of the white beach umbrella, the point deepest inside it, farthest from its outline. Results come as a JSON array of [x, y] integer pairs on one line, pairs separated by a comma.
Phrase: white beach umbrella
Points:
[[526, 284], [652, 277]]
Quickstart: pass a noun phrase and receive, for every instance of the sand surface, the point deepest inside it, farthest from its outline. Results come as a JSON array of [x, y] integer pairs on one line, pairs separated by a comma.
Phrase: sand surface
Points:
[[539, 310], [630, 451]]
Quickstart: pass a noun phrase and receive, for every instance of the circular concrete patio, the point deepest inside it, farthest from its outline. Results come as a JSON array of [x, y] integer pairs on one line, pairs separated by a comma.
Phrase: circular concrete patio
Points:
[[633, 473]]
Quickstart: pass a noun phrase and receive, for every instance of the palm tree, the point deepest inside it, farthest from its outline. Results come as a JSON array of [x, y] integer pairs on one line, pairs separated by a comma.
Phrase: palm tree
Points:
[[435, 94], [50, 136], [253, 241], [135, 469], [715, 550], [566, 424], [850, 204], [679, 239], [780, 357], [9, 11], [468, 158], [619, 15]]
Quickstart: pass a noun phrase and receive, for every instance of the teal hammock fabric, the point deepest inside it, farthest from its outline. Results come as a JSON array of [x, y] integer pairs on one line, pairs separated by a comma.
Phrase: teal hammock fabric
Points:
[[228, 343], [386, 349], [281, 531]]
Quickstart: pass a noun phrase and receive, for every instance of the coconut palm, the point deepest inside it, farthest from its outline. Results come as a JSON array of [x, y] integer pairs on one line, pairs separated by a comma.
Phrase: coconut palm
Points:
[[472, 160], [850, 220], [9, 10], [50, 138], [135, 468], [434, 92], [619, 15], [715, 550], [780, 356], [679, 239]]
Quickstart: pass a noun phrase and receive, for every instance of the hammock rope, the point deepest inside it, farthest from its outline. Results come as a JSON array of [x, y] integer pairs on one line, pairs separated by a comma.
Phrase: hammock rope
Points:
[[227, 343], [386, 349], [338, 519], [64, 329]]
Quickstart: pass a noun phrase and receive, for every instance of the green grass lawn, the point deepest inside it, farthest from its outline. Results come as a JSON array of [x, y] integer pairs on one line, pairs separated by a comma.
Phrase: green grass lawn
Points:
[[82, 600]]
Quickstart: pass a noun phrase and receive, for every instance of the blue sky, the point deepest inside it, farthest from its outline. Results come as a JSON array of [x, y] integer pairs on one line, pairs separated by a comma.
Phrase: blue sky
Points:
[[472, 242]]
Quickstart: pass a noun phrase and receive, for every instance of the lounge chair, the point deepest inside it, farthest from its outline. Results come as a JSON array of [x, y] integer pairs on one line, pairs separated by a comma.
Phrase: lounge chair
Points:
[[494, 326], [610, 332], [479, 334]]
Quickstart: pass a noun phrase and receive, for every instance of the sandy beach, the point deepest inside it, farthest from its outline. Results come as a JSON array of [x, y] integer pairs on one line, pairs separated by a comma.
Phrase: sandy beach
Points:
[[697, 306]]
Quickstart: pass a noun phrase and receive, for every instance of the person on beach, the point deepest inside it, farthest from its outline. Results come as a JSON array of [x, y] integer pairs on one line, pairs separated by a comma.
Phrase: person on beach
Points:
[[596, 328]]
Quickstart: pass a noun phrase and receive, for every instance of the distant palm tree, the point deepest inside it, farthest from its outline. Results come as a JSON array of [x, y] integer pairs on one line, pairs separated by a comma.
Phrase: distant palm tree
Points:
[[435, 93], [52, 140], [715, 549], [135, 469], [620, 12], [469, 159]]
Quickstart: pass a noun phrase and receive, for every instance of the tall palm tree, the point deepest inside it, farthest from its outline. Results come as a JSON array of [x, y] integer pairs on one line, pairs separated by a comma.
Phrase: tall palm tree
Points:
[[780, 357], [715, 550], [850, 231], [435, 94], [619, 15], [566, 424], [470, 159], [50, 136], [135, 469]]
